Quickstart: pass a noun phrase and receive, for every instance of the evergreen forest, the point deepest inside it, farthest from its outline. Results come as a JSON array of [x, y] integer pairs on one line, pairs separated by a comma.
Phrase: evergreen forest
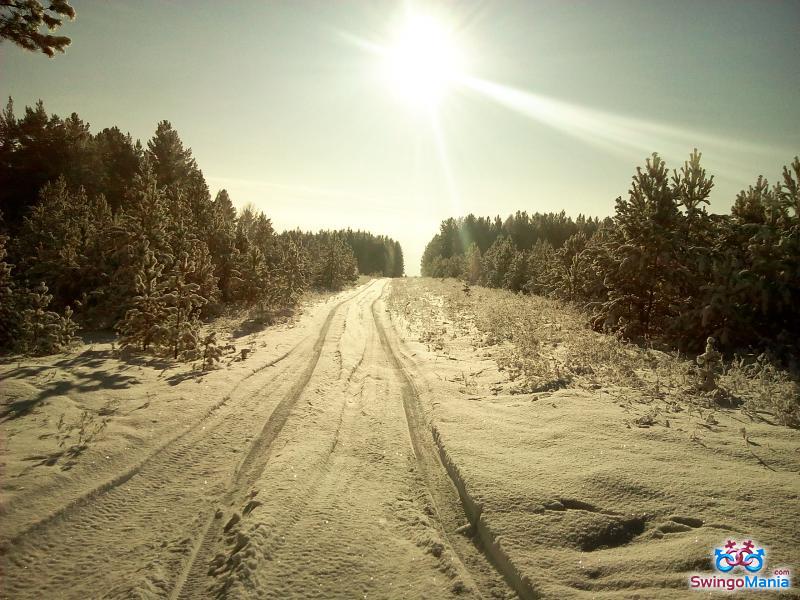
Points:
[[101, 231]]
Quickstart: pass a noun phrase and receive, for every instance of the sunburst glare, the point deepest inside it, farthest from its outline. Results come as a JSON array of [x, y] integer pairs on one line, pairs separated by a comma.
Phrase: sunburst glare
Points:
[[423, 62]]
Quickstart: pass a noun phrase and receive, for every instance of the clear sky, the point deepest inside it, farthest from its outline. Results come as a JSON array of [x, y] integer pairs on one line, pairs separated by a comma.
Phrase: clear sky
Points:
[[288, 104]]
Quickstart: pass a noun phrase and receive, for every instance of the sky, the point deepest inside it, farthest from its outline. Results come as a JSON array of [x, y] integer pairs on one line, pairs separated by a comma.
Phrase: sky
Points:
[[296, 107]]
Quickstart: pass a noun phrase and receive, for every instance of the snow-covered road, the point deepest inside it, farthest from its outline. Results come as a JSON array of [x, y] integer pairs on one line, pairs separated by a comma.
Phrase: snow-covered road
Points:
[[317, 477], [360, 453]]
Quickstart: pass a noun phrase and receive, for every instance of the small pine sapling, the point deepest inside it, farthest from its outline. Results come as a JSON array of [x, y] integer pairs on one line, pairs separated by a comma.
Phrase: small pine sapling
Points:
[[709, 362], [211, 351], [66, 328]]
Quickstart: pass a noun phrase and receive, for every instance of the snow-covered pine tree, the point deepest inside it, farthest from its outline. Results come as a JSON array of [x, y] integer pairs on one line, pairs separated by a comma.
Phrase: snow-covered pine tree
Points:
[[184, 239], [540, 265], [180, 331], [211, 351], [61, 242], [760, 247], [473, 267], [146, 215], [172, 163], [66, 328], [567, 271], [203, 275], [336, 263], [643, 252], [46, 243], [288, 279], [253, 275], [497, 261], [142, 226], [221, 241], [691, 188], [177, 173], [44, 331], [143, 322], [789, 192], [9, 316]]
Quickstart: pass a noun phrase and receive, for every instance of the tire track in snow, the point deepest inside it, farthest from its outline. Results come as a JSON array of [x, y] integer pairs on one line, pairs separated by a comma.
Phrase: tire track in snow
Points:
[[450, 497], [158, 501], [194, 577], [348, 514], [278, 532], [123, 477]]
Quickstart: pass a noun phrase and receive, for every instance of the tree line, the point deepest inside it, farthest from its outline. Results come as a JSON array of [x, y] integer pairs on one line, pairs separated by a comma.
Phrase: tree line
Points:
[[464, 240], [661, 267], [101, 230]]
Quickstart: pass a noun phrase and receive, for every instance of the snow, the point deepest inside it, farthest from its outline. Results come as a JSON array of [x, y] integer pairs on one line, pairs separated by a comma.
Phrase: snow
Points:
[[583, 503], [366, 451]]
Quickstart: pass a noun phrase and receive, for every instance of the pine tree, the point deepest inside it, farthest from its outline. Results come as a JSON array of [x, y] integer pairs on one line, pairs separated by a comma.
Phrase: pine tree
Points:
[[643, 252], [221, 240], [518, 272], [143, 226], [211, 351], [21, 23], [754, 292], [398, 268], [253, 270], [203, 276], [473, 267], [62, 243], [789, 193], [691, 188], [184, 239], [9, 316], [180, 330], [143, 322], [172, 163], [65, 329], [568, 269], [289, 277], [146, 215], [498, 260], [540, 265], [44, 331], [337, 264], [119, 156]]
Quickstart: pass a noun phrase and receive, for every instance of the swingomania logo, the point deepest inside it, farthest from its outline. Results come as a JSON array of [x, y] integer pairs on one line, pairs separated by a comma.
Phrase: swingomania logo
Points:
[[734, 555], [741, 566]]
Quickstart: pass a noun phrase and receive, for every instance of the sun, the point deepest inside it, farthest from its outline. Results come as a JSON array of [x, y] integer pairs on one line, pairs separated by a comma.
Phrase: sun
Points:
[[423, 63]]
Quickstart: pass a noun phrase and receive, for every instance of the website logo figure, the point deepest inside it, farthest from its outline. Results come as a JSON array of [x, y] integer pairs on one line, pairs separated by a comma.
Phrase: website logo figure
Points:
[[733, 555]]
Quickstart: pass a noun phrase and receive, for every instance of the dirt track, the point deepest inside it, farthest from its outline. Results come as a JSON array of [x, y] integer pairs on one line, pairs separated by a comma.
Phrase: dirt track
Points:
[[317, 476]]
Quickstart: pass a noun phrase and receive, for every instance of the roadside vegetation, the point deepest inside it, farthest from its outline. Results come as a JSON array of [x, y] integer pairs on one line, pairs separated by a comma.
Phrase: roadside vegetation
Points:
[[663, 297], [102, 232], [662, 270], [544, 345]]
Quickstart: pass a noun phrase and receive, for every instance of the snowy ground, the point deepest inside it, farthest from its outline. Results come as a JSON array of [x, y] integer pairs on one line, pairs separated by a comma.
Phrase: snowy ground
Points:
[[583, 495], [306, 470], [353, 456]]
